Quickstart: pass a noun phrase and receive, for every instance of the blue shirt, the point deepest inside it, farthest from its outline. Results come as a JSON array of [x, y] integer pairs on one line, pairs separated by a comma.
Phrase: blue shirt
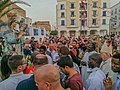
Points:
[[95, 80], [118, 82]]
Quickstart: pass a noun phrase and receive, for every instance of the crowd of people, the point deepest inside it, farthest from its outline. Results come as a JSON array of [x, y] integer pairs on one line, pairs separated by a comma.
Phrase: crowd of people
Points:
[[63, 63]]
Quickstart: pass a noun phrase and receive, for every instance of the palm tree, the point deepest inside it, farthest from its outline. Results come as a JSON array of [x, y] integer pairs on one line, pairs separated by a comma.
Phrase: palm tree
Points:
[[4, 4]]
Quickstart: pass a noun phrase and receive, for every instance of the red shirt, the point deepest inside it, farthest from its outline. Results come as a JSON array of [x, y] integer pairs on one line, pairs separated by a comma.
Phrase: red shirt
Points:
[[74, 82], [28, 70]]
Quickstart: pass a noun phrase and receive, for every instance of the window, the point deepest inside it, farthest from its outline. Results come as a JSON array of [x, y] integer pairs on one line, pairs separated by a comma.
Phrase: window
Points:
[[62, 22], [72, 5], [94, 4], [94, 21], [72, 22], [82, 13], [115, 18], [62, 7], [42, 32], [85, 5], [62, 14], [72, 14], [115, 11], [94, 13], [82, 22], [81, 6], [112, 13], [104, 22], [35, 32], [104, 5], [104, 13]]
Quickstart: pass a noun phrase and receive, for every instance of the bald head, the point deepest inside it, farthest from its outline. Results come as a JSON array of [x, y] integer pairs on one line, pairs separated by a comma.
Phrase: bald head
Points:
[[49, 73], [47, 78]]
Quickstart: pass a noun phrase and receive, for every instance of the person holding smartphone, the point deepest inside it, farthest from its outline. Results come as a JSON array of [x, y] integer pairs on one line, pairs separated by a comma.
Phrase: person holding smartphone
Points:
[[115, 68]]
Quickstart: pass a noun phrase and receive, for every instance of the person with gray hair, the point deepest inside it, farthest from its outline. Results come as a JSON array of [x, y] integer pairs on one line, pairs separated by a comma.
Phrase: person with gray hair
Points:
[[95, 79]]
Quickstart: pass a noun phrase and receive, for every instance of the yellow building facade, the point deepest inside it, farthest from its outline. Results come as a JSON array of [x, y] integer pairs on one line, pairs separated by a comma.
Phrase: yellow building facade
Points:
[[73, 20]]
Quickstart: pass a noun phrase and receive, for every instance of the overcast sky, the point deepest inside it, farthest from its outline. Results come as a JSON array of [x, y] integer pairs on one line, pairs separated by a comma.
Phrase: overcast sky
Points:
[[45, 9]]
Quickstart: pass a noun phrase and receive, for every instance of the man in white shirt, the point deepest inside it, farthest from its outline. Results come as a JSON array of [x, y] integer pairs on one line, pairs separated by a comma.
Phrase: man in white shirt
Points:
[[85, 74], [53, 54], [95, 79]]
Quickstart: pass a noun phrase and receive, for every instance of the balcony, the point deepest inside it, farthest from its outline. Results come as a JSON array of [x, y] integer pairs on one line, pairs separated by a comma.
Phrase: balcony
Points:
[[95, 15], [115, 27], [62, 16], [82, 16], [95, 25]]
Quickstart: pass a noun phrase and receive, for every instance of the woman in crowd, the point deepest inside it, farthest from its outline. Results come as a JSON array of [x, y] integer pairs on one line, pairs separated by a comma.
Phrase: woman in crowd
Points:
[[5, 70]]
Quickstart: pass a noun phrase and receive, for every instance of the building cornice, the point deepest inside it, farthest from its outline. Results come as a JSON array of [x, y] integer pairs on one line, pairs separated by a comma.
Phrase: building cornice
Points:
[[115, 4]]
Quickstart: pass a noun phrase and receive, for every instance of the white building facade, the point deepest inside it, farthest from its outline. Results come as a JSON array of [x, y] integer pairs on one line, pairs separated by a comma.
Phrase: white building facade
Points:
[[115, 19], [35, 32]]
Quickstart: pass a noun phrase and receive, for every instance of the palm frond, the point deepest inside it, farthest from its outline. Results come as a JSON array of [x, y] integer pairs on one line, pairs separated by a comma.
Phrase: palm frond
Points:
[[21, 2], [1, 15], [3, 4], [7, 4]]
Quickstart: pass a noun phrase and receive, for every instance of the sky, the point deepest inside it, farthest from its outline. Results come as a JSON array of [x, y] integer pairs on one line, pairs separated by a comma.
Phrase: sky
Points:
[[45, 10]]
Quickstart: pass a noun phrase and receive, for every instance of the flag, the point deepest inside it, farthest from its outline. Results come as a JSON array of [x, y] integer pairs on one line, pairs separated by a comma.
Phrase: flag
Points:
[[83, 6]]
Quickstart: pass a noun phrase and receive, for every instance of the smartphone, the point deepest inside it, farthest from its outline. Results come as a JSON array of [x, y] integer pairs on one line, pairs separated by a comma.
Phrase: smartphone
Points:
[[107, 74]]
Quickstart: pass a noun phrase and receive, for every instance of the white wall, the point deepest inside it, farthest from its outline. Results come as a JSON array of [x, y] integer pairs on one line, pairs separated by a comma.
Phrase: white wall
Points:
[[37, 37]]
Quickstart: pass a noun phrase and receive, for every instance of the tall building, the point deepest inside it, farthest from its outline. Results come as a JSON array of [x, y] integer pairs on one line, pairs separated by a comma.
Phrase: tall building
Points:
[[87, 17], [99, 16], [115, 19]]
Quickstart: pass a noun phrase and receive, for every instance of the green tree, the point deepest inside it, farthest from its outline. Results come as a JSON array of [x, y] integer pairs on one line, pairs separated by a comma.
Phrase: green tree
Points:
[[54, 32]]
